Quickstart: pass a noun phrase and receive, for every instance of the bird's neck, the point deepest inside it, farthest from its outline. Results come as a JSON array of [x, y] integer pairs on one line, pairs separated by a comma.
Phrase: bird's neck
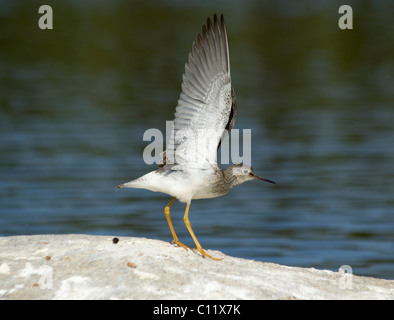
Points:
[[229, 177]]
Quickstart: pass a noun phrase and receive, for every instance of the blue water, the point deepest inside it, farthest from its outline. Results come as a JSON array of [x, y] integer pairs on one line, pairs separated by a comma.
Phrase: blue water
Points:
[[75, 102]]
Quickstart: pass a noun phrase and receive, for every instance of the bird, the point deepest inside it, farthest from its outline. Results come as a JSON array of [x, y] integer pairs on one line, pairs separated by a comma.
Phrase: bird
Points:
[[205, 113]]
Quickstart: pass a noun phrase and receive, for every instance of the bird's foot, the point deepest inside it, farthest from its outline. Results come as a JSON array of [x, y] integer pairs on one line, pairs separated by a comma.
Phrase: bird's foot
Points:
[[180, 244], [202, 251]]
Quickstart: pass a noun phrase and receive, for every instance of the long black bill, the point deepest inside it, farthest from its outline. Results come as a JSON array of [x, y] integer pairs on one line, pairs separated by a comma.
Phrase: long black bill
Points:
[[264, 179]]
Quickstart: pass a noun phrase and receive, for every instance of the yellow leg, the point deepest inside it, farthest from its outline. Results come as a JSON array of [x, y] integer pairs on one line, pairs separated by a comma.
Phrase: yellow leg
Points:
[[167, 213], [189, 227]]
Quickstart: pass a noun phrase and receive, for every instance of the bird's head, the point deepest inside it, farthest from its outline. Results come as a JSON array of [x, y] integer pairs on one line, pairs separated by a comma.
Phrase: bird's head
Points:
[[242, 173]]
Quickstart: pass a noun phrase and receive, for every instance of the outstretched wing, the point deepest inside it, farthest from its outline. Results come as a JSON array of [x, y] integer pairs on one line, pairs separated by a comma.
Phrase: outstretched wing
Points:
[[206, 107]]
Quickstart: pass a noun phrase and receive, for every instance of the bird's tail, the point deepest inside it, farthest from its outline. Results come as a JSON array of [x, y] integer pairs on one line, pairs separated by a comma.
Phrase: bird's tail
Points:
[[130, 184], [143, 182]]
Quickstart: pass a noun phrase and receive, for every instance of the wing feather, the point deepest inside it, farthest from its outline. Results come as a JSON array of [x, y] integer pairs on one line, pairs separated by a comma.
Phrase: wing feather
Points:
[[206, 106]]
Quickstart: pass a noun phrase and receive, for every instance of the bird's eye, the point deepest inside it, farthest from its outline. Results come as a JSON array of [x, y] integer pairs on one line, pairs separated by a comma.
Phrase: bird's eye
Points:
[[245, 171]]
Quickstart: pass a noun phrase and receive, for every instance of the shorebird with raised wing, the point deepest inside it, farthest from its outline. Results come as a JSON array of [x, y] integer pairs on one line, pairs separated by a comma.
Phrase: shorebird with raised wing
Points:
[[205, 113]]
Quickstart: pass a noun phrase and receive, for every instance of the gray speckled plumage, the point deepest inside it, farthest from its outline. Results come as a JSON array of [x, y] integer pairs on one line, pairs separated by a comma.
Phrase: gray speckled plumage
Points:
[[206, 111]]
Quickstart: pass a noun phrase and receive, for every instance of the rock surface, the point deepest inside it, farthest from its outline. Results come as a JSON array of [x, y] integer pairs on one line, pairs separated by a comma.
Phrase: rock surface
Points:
[[94, 267]]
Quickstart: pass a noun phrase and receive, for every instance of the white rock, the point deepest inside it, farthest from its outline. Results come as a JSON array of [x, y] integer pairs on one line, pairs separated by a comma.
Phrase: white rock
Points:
[[93, 267]]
